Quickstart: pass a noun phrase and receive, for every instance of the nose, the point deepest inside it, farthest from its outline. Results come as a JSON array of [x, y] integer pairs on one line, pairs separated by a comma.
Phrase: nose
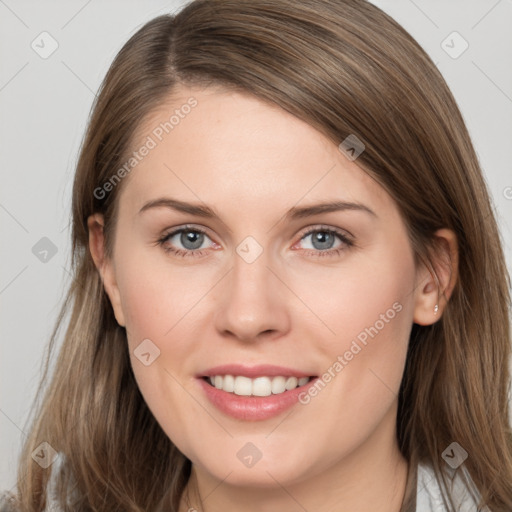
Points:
[[253, 303]]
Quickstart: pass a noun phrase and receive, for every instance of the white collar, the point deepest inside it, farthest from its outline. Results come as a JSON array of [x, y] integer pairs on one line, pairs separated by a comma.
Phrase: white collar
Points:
[[428, 491]]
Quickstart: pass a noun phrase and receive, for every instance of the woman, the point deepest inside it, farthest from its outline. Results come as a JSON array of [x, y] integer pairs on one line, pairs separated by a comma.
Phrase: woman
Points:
[[290, 291]]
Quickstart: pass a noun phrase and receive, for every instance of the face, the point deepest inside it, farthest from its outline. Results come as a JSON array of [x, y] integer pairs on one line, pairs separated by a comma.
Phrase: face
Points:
[[222, 256]]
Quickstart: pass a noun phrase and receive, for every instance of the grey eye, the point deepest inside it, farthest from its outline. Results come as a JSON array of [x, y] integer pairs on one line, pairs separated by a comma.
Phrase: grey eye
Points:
[[322, 239], [191, 239]]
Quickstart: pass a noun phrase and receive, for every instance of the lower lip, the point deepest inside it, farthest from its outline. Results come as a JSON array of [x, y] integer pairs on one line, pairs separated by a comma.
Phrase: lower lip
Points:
[[253, 408]]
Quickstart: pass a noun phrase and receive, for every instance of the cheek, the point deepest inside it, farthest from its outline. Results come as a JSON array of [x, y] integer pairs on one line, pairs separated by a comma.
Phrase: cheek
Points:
[[157, 294], [369, 309], [162, 302], [365, 297], [158, 301]]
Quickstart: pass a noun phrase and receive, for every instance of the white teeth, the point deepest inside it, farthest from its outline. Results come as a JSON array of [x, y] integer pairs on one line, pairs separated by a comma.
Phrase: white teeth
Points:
[[243, 386], [291, 383], [278, 385], [228, 383], [260, 386]]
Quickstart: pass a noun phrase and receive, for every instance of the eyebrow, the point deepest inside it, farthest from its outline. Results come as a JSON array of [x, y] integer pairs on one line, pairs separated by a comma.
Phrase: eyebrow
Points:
[[293, 213]]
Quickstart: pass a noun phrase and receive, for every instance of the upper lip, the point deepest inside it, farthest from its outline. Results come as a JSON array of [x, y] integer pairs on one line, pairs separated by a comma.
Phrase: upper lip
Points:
[[260, 370]]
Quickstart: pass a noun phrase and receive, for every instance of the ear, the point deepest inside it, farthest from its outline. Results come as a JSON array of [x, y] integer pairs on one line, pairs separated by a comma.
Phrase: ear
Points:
[[435, 285], [105, 267]]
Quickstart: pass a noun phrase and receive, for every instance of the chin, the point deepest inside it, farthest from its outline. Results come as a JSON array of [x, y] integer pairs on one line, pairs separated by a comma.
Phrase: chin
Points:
[[264, 474]]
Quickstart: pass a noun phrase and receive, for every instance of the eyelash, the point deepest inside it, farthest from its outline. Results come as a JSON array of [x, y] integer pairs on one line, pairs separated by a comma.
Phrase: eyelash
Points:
[[184, 253]]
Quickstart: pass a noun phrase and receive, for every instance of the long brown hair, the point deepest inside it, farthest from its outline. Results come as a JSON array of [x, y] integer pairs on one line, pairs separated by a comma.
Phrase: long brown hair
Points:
[[344, 67]]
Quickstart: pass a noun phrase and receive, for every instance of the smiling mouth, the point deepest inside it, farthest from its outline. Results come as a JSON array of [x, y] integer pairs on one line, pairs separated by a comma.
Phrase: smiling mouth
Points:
[[259, 386]]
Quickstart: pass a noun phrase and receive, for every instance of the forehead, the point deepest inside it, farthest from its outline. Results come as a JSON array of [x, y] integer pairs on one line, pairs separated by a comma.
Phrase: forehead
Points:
[[218, 146]]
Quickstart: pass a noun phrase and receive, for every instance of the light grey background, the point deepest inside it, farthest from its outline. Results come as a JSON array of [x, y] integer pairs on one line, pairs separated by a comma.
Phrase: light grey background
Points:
[[44, 107]]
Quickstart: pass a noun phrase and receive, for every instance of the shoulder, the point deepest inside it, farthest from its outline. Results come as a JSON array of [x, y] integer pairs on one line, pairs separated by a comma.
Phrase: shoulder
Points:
[[8, 501], [429, 497]]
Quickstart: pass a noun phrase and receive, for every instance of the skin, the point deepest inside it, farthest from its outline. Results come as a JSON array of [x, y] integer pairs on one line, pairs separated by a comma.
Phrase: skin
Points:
[[251, 162]]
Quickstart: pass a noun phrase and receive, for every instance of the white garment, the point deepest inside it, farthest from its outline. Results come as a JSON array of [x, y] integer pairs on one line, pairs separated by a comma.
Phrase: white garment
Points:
[[429, 497]]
